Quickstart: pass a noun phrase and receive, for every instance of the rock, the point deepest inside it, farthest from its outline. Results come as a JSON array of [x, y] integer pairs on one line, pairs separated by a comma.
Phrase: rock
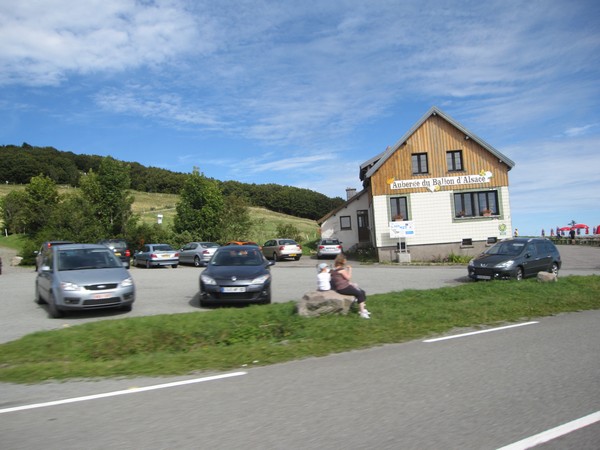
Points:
[[318, 303], [16, 260], [546, 277]]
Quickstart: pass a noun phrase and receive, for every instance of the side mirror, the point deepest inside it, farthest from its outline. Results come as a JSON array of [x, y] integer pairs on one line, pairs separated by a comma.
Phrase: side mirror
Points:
[[270, 263]]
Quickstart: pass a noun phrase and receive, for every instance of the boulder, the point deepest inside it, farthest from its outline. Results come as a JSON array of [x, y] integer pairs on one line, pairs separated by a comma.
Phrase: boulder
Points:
[[546, 277], [16, 260], [317, 303]]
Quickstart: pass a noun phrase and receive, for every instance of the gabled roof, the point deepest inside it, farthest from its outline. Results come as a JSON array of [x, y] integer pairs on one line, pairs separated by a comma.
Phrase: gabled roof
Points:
[[369, 167], [342, 206]]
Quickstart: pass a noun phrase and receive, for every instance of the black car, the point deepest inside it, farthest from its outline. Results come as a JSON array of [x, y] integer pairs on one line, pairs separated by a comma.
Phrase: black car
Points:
[[516, 258], [236, 274], [119, 248]]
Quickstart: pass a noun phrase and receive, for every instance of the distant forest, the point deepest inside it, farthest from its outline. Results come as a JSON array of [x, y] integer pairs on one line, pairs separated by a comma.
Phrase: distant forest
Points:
[[19, 164]]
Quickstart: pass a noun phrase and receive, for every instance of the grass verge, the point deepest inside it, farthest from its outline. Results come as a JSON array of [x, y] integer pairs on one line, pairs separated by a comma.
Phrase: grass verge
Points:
[[259, 335]]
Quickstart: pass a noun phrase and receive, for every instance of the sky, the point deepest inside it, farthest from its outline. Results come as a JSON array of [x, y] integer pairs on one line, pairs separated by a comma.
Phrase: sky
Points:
[[301, 93]]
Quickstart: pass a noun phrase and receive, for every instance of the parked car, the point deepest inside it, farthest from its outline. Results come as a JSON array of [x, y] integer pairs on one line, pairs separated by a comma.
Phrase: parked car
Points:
[[197, 253], [82, 277], [236, 274], [39, 255], [277, 249], [515, 258], [242, 243], [156, 255], [119, 248], [329, 247]]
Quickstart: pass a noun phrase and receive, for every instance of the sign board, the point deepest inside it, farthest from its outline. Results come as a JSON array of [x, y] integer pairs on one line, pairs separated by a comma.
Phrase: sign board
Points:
[[402, 228]]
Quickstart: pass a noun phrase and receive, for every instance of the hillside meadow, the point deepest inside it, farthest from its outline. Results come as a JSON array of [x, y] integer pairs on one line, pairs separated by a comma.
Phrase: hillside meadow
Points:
[[149, 205]]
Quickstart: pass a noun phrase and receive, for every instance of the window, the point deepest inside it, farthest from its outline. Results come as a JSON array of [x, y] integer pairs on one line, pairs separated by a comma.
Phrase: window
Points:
[[345, 223], [398, 208], [419, 163], [454, 160], [475, 204]]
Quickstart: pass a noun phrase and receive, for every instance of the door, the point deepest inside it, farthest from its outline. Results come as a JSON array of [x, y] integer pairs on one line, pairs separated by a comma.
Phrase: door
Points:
[[362, 219]]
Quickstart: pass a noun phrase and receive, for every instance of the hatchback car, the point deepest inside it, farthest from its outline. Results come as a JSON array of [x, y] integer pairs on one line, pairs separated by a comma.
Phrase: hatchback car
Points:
[[119, 248], [277, 249], [81, 277], [329, 247], [236, 274], [197, 253], [156, 255], [515, 258]]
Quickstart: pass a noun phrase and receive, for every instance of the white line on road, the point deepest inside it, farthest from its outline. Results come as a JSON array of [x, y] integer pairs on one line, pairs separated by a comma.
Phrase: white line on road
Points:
[[445, 338], [554, 433], [123, 392]]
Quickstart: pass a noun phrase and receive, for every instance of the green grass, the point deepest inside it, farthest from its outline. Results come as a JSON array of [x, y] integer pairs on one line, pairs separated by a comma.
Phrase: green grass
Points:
[[226, 339]]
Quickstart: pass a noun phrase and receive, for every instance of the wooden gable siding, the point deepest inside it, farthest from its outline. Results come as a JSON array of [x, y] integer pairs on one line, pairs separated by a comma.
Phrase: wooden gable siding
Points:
[[435, 137]]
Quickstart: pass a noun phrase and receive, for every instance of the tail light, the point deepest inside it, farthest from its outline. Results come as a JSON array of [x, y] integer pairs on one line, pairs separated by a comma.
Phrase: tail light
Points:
[[205, 252], [127, 253], [321, 247], [176, 255], [339, 246], [299, 246], [281, 247], [153, 256]]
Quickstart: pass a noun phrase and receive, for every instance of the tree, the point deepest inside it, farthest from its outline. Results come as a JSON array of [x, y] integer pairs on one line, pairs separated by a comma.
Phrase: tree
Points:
[[200, 208], [236, 223], [41, 197], [108, 192], [14, 214]]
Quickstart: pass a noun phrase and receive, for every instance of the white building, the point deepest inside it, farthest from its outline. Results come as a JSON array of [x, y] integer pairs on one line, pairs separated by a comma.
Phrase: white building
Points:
[[448, 187]]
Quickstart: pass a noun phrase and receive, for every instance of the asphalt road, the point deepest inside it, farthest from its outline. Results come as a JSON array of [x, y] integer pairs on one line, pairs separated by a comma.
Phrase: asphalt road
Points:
[[482, 391], [168, 291]]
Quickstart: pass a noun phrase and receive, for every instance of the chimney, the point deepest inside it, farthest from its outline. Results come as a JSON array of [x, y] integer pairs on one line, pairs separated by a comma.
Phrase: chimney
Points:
[[350, 192]]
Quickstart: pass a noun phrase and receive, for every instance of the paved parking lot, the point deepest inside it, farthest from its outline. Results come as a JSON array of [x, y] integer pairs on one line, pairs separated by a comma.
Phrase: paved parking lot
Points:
[[168, 291]]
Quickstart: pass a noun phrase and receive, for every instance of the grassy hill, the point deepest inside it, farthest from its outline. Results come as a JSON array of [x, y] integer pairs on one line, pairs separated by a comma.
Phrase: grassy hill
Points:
[[150, 205]]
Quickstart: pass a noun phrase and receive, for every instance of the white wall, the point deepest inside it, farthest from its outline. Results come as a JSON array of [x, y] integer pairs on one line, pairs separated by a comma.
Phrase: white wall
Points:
[[432, 214], [331, 227]]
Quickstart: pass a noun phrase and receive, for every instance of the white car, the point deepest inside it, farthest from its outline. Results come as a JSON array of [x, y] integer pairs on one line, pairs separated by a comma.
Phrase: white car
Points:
[[329, 247]]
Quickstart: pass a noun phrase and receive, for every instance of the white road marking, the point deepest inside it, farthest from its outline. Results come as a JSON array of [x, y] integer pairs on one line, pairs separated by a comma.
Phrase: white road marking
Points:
[[554, 433], [445, 338], [123, 392]]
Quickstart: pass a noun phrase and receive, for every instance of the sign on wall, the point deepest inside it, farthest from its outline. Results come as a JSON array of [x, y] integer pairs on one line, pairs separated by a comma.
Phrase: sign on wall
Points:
[[402, 228], [435, 184]]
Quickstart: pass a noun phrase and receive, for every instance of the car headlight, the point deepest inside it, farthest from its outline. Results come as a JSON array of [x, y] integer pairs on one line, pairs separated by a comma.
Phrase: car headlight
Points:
[[207, 280], [472, 262], [505, 264], [66, 286], [127, 282], [261, 280]]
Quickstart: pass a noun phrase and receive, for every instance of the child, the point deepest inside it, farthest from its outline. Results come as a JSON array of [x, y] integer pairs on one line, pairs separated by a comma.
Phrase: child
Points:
[[323, 278]]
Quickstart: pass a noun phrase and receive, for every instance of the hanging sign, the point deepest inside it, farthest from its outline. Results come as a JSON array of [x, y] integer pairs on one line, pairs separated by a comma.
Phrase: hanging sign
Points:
[[435, 184]]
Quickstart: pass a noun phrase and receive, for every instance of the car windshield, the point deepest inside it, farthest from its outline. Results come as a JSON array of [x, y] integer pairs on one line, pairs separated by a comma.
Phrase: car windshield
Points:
[[506, 248], [79, 259], [287, 242], [209, 245], [162, 248], [233, 257], [330, 242]]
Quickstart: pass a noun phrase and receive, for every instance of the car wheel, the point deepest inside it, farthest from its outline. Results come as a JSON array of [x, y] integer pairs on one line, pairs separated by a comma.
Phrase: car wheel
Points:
[[297, 258], [519, 274], [554, 269], [126, 308], [174, 266], [197, 261], [135, 262], [275, 256], [53, 310], [148, 265], [38, 298]]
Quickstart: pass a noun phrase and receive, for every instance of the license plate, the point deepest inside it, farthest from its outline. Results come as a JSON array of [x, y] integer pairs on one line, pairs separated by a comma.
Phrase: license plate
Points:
[[117, 253], [484, 277], [234, 289], [292, 255], [100, 296], [165, 256]]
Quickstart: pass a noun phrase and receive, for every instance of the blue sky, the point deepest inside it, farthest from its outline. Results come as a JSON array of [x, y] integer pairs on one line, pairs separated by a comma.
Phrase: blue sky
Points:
[[301, 93]]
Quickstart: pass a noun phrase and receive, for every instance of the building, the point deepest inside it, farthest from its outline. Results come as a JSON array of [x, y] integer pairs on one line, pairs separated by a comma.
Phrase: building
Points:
[[439, 190]]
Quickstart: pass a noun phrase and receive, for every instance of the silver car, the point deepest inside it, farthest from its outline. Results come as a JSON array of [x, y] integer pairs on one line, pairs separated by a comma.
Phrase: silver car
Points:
[[197, 253], [156, 255], [329, 247], [81, 277], [277, 249]]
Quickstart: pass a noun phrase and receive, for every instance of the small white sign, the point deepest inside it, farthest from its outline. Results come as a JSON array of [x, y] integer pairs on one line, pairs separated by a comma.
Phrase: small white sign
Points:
[[402, 228]]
